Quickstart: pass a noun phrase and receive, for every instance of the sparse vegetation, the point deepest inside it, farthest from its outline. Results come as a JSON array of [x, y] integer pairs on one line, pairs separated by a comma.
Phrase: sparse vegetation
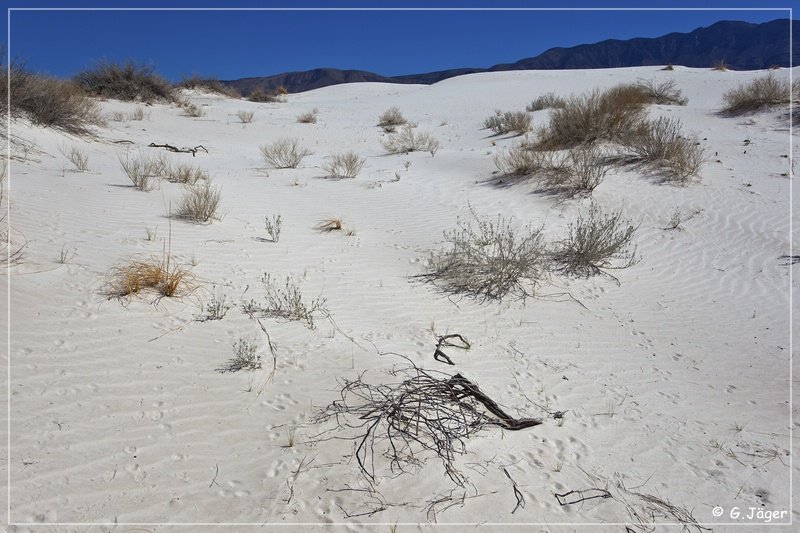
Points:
[[200, 202], [332, 224], [273, 227], [47, 101], [142, 169], [138, 113], [720, 65], [760, 94], [660, 144], [284, 153], [309, 117], [245, 117], [76, 156], [153, 274], [490, 260], [245, 357], [129, 81], [663, 93], [211, 85], [343, 166], [186, 174], [407, 140], [216, 308], [546, 101], [517, 122], [193, 110], [260, 96], [287, 302], [392, 117], [596, 242]]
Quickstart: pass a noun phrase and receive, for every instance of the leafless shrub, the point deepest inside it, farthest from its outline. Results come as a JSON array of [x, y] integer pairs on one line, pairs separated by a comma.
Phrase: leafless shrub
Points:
[[489, 260], [523, 161], [287, 302], [599, 116], [245, 357], [193, 110], [142, 169], [720, 65], [129, 81], [245, 117], [661, 145], [669, 67], [407, 140], [273, 227], [259, 95], [392, 117], [118, 116], [209, 85], [663, 93], [47, 101], [138, 113], [200, 202], [309, 117], [345, 165], [596, 242], [762, 93], [501, 123], [284, 153], [546, 101], [76, 156], [186, 174]]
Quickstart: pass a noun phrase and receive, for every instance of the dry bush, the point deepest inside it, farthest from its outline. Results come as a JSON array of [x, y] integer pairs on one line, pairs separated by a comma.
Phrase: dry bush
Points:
[[209, 85], [193, 110], [152, 274], [258, 95], [762, 93], [284, 153], [76, 156], [663, 93], [10, 253], [345, 165], [47, 101], [142, 170], [406, 140], [575, 172], [245, 117], [599, 116], [118, 116], [287, 302], [138, 113], [309, 117], [329, 225], [501, 123], [129, 81], [596, 242], [661, 145], [392, 117], [200, 202], [273, 227], [669, 67], [245, 357], [720, 65], [186, 174], [546, 101], [490, 260]]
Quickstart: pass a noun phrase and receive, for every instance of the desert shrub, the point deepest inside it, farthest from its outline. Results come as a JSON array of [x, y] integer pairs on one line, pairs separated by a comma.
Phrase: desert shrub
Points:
[[47, 101], [523, 161], [392, 117], [186, 174], [663, 93], [284, 153], [142, 170], [153, 274], [138, 113], [501, 123], [209, 85], [76, 156], [329, 225], [598, 116], [245, 357], [309, 117], [407, 140], [762, 93], [660, 144], [129, 81], [719, 65], [489, 260], [245, 117], [596, 242], [345, 165], [193, 110], [669, 66], [260, 96], [117, 116], [273, 227], [287, 302], [200, 202], [215, 309], [546, 101]]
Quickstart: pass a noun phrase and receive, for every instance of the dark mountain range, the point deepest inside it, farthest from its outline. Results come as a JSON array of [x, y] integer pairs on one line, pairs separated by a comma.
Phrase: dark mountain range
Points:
[[740, 45]]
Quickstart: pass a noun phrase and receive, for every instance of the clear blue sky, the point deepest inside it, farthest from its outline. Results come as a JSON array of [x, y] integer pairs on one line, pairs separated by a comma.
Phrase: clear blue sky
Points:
[[235, 44]]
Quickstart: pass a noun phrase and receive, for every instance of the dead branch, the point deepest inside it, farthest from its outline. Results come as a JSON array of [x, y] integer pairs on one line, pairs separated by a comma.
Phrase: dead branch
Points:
[[444, 340], [184, 150], [578, 496], [517, 494]]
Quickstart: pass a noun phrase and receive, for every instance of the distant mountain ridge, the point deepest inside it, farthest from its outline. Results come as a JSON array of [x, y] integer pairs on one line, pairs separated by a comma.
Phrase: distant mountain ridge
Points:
[[741, 45]]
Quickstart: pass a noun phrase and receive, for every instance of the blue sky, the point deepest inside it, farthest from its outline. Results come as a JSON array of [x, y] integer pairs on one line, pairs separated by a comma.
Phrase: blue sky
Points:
[[235, 44]]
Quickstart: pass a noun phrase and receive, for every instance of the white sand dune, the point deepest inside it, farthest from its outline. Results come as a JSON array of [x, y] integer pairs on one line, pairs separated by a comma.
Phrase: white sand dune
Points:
[[675, 383]]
